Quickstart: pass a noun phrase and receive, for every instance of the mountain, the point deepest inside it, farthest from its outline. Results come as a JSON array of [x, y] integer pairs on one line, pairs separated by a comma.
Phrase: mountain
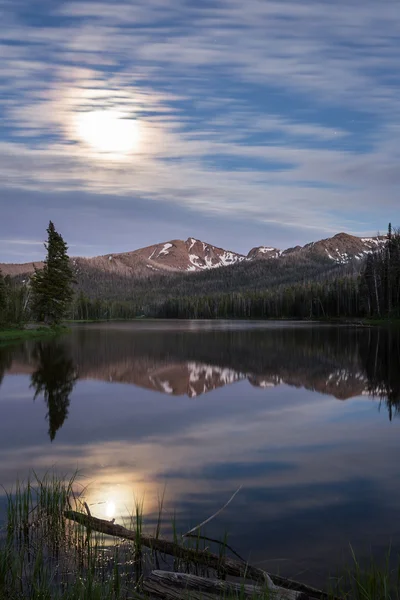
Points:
[[192, 255], [341, 248], [264, 252], [23, 269], [193, 379], [167, 257], [175, 255]]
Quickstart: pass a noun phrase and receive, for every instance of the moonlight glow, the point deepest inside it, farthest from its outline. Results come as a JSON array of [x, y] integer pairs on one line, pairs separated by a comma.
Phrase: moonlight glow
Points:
[[107, 131], [110, 509]]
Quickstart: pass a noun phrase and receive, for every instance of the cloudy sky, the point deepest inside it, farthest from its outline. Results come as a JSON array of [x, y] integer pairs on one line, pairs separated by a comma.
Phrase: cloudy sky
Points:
[[240, 123]]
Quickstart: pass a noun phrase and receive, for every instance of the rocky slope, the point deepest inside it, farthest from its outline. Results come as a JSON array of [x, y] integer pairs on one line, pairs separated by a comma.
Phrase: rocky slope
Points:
[[15, 270], [167, 257], [341, 248], [194, 255]]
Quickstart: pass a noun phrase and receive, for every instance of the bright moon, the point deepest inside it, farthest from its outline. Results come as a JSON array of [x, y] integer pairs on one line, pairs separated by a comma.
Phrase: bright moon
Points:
[[110, 509], [108, 131]]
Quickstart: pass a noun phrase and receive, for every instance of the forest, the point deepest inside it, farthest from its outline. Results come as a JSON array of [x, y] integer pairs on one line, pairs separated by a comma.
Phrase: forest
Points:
[[296, 287]]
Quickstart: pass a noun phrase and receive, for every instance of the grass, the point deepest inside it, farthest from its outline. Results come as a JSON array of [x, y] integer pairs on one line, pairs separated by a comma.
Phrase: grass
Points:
[[106, 320], [45, 557], [16, 334], [386, 321]]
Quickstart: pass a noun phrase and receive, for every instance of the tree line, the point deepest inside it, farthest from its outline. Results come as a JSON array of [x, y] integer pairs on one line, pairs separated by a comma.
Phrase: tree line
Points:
[[373, 292], [303, 288]]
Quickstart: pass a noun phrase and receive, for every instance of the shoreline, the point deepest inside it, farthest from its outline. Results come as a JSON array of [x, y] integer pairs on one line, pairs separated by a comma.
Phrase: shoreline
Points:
[[351, 322], [16, 334], [32, 332]]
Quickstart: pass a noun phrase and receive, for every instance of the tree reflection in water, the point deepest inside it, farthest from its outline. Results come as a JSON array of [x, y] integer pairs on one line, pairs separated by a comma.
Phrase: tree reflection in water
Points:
[[5, 361], [54, 378], [381, 361]]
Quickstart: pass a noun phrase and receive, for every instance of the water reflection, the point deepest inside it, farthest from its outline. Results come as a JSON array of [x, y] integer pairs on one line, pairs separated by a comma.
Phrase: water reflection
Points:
[[287, 412], [381, 361], [5, 361], [54, 378], [340, 362]]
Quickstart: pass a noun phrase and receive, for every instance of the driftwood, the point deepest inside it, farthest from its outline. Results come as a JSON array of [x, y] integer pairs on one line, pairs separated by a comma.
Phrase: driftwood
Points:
[[220, 564], [178, 586]]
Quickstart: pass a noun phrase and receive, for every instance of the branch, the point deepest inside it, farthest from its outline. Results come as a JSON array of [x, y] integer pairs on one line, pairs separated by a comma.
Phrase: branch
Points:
[[214, 515], [201, 557]]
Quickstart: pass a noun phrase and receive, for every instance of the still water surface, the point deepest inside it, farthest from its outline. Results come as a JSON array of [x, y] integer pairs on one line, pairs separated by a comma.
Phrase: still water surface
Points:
[[302, 416]]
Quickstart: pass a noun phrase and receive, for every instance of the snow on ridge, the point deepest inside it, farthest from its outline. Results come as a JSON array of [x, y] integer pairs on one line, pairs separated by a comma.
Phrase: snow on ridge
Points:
[[265, 249], [193, 258], [166, 387], [271, 252], [370, 245], [230, 258], [267, 384], [376, 241], [165, 249], [223, 260], [192, 243], [209, 372]]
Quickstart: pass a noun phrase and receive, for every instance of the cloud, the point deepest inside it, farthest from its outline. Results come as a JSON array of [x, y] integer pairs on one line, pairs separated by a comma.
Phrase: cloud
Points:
[[278, 112], [22, 242]]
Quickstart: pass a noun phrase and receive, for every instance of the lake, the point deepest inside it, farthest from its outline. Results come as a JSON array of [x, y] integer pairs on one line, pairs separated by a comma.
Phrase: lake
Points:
[[302, 416]]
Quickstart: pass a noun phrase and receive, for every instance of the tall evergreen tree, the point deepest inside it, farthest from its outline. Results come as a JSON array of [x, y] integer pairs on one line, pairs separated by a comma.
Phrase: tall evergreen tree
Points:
[[51, 287], [3, 298]]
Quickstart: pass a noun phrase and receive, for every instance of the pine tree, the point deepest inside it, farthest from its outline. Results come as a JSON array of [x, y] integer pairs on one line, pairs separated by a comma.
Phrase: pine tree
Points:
[[388, 271], [51, 287], [3, 299]]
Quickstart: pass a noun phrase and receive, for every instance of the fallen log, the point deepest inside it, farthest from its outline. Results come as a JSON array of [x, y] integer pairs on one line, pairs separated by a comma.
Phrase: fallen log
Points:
[[220, 564], [178, 586]]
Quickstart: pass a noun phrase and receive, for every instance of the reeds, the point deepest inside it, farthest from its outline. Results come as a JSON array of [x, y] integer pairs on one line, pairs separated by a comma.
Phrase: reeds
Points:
[[369, 581], [43, 556]]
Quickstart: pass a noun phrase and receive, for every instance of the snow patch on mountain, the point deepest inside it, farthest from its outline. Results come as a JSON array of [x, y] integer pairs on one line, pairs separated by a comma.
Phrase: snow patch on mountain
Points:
[[165, 249]]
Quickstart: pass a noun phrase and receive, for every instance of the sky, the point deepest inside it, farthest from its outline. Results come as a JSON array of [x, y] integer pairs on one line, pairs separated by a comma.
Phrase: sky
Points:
[[134, 122]]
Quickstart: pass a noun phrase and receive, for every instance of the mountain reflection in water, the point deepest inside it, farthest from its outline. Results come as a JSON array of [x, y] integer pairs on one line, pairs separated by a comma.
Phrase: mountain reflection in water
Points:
[[338, 361], [203, 408]]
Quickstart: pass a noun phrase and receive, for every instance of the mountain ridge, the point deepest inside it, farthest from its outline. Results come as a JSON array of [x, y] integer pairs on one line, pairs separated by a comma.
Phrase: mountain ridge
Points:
[[193, 255]]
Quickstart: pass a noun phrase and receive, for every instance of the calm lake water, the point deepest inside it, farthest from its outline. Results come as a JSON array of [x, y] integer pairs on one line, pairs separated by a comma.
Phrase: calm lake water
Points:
[[303, 417]]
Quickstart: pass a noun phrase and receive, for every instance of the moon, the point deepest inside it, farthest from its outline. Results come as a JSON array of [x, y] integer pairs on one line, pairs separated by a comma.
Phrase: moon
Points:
[[110, 509], [108, 132]]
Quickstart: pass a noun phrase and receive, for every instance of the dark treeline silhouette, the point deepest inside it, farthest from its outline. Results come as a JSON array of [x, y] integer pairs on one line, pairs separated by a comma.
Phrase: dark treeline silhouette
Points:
[[381, 361], [304, 287], [54, 378], [5, 361], [312, 288], [14, 298], [380, 283], [256, 275]]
